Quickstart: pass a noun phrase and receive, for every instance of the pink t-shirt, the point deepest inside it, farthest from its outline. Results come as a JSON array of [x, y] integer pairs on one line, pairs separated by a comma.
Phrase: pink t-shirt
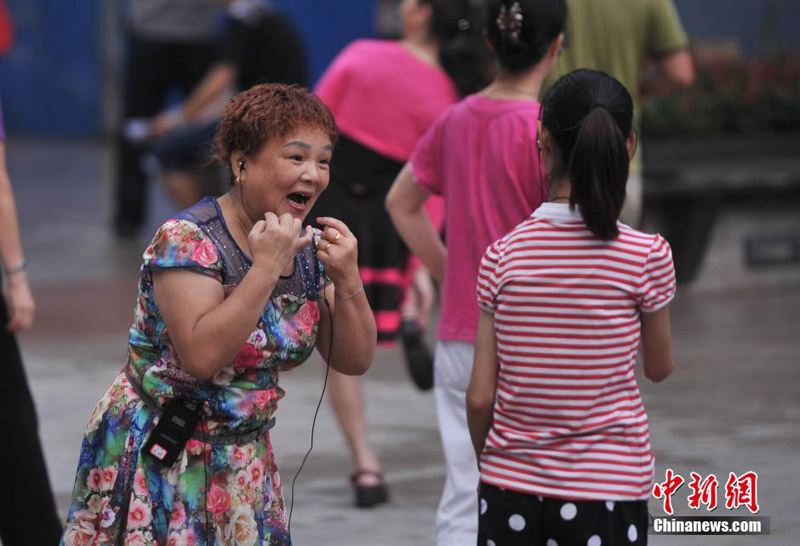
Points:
[[481, 157], [384, 97]]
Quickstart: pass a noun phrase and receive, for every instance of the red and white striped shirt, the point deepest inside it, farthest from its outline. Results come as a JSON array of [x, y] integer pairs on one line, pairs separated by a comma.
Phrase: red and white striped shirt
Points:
[[568, 417]]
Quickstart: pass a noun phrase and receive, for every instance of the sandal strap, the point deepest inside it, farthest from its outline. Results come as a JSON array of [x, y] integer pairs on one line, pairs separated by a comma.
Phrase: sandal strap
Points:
[[363, 472]]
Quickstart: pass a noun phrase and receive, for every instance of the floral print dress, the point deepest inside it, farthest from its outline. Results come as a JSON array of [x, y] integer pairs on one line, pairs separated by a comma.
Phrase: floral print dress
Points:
[[224, 488]]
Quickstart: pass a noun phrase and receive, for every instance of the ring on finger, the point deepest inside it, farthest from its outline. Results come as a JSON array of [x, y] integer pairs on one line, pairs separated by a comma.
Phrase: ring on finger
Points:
[[327, 246], [338, 236]]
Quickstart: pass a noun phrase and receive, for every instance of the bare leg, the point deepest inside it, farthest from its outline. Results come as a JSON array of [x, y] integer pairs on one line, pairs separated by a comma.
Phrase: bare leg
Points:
[[419, 298], [415, 312], [347, 399]]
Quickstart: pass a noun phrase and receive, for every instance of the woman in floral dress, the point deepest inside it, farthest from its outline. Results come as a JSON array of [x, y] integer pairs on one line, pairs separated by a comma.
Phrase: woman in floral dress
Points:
[[231, 293]]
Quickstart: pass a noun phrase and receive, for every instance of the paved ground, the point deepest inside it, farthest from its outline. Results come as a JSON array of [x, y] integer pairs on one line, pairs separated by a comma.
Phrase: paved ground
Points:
[[732, 405]]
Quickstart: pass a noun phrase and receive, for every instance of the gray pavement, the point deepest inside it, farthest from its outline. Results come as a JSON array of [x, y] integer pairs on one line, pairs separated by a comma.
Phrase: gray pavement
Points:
[[732, 405]]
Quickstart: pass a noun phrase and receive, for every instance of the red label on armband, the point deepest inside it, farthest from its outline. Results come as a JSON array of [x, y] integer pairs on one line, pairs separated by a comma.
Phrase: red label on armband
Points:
[[158, 452]]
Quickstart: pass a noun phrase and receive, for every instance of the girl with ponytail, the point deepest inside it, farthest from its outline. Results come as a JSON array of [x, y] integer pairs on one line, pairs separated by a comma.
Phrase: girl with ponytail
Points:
[[480, 157], [587, 146], [568, 298], [384, 95]]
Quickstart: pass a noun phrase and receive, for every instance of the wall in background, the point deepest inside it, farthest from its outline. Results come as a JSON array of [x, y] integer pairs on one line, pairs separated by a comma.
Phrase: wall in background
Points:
[[53, 81], [60, 79], [329, 25], [743, 21], [50, 83]]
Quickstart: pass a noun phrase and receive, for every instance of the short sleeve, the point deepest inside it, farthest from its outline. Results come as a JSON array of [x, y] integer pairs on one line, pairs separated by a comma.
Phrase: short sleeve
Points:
[[665, 33], [426, 160], [233, 46], [657, 284], [182, 244], [488, 278], [333, 84]]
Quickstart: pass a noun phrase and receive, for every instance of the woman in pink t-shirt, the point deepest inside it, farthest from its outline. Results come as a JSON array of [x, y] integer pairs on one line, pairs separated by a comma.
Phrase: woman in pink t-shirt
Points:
[[481, 157], [384, 96]]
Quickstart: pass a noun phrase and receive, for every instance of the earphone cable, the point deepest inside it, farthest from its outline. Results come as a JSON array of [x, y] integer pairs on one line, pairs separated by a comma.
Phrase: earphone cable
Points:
[[316, 412]]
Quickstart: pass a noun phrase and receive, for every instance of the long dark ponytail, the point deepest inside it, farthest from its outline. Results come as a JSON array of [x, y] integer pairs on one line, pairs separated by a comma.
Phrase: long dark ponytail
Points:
[[589, 116], [457, 25]]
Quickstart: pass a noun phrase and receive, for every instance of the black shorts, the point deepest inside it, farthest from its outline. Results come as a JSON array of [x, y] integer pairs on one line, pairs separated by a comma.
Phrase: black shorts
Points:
[[510, 518], [190, 149]]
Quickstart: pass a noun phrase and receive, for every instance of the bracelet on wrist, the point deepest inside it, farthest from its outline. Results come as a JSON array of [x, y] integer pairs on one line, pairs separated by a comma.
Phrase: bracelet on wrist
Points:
[[351, 295], [19, 268]]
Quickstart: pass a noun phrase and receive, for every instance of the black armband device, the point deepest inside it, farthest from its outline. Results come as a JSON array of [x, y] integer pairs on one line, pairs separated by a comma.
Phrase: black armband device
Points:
[[175, 426]]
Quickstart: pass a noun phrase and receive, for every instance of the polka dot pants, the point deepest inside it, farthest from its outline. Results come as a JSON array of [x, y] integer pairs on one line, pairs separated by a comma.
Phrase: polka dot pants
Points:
[[509, 518]]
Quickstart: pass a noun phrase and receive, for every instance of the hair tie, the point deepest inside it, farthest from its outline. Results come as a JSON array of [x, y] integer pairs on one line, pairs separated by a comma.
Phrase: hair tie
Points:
[[463, 24], [510, 20]]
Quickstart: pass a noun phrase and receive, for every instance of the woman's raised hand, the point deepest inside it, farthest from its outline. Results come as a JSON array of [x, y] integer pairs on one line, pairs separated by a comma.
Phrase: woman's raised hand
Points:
[[338, 251], [275, 241]]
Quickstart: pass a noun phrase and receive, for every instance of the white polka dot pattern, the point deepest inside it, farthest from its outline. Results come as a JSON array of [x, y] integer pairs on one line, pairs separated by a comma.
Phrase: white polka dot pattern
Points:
[[633, 534], [551, 542], [516, 522], [594, 540], [490, 543], [568, 511], [610, 506], [484, 506]]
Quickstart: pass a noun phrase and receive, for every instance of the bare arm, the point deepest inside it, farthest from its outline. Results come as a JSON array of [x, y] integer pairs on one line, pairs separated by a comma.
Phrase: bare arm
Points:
[[483, 383], [667, 74], [657, 345], [209, 91], [207, 329], [18, 292], [216, 83], [405, 205], [354, 332]]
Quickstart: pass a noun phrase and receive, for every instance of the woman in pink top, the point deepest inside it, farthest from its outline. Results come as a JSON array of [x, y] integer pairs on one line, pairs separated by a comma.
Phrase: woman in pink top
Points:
[[481, 157], [385, 95]]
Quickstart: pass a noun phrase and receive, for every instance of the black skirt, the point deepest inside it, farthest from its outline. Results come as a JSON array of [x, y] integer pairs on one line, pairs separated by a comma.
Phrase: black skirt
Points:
[[360, 180], [511, 518]]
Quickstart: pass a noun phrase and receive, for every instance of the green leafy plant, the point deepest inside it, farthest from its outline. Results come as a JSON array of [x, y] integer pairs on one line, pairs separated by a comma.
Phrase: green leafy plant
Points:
[[731, 96]]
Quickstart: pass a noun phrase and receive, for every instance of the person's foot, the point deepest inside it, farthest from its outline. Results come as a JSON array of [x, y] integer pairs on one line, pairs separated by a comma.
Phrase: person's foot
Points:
[[418, 357], [369, 488]]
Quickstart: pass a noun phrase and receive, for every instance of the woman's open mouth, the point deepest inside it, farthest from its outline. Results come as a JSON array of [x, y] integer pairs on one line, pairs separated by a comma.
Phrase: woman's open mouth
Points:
[[299, 200]]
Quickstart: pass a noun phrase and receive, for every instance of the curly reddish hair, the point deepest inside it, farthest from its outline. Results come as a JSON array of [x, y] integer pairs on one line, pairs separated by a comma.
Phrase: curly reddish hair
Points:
[[267, 111]]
